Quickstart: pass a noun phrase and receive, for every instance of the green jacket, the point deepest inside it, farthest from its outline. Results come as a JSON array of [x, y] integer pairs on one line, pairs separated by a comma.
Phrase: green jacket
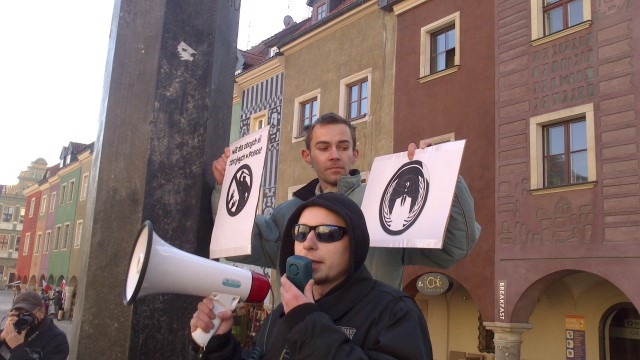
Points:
[[385, 264]]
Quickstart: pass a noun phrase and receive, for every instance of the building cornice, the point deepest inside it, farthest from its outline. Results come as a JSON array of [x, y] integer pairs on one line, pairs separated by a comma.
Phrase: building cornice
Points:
[[31, 189], [261, 73], [67, 169], [330, 28], [406, 6]]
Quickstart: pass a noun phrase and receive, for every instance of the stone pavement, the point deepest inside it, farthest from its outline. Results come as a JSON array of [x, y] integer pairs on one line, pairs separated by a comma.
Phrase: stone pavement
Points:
[[6, 300]]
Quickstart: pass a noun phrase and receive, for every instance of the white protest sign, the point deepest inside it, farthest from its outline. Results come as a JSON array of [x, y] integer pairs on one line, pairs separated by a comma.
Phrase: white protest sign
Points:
[[231, 234], [407, 203]]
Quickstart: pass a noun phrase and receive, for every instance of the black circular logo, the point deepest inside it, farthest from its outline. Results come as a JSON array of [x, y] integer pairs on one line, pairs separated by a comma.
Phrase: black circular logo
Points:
[[404, 198], [239, 190]]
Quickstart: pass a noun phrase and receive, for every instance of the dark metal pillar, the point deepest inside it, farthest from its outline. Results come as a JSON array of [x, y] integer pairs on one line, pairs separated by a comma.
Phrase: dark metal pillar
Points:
[[165, 117]]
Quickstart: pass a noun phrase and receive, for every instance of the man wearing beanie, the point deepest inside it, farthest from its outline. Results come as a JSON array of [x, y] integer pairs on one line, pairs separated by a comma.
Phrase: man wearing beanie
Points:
[[343, 312], [36, 336]]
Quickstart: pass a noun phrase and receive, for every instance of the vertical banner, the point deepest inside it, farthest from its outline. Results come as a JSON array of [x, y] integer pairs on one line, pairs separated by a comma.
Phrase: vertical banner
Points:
[[231, 234], [407, 203], [575, 337]]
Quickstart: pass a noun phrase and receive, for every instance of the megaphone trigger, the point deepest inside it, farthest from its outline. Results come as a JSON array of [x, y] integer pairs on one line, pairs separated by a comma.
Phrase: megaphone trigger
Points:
[[221, 302]]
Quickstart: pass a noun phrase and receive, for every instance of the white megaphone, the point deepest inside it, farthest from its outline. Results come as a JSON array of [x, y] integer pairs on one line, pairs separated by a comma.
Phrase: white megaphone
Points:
[[157, 267]]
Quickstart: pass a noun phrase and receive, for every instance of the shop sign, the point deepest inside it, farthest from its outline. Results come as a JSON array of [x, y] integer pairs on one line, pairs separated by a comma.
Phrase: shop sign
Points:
[[433, 283]]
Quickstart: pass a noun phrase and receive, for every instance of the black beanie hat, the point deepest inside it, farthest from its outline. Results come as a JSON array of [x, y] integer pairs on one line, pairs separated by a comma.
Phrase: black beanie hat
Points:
[[346, 209]]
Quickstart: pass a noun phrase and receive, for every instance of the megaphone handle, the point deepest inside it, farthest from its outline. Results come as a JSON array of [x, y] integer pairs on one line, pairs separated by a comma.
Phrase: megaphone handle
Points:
[[221, 302]]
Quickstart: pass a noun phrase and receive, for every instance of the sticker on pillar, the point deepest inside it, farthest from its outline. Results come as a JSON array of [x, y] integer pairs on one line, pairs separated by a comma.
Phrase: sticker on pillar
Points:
[[185, 52], [407, 202], [240, 190]]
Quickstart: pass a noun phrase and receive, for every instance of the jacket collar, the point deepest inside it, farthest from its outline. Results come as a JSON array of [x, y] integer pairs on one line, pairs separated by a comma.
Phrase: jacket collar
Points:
[[346, 185], [345, 296]]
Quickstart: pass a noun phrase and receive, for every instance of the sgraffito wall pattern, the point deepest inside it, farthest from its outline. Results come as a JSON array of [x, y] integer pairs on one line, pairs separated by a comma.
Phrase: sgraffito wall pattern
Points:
[[266, 95]]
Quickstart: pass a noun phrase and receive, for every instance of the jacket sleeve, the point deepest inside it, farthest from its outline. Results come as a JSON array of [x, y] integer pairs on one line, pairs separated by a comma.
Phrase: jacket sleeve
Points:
[[460, 237], [400, 332], [56, 348], [266, 233]]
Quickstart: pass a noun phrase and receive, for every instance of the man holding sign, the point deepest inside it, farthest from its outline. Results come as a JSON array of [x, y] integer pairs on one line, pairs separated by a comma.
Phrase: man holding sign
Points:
[[330, 150]]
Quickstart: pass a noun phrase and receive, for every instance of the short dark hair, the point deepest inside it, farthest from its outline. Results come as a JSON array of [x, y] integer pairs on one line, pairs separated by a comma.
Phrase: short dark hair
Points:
[[328, 119]]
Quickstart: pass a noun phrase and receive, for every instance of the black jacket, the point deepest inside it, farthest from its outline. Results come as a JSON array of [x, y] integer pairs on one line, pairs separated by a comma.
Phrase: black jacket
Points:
[[45, 342], [361, 318]]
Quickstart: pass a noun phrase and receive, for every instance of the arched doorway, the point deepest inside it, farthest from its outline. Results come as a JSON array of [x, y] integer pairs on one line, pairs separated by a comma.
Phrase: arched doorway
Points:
[[620, 333]]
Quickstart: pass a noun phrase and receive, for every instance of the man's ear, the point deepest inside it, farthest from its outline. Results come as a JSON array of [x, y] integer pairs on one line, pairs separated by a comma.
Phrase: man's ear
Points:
[[306, 156], [356, 154]]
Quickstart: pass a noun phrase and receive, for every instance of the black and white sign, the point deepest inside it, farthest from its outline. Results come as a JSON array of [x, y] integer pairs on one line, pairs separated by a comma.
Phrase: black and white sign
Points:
[[407, 203], [231, 234]]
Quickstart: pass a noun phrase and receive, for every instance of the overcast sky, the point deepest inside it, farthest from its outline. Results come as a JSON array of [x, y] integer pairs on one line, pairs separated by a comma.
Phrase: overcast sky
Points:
[[52, 68]]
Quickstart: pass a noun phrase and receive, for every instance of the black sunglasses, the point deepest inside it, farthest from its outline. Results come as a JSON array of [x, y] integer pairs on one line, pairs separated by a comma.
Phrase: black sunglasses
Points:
[[324, 233]]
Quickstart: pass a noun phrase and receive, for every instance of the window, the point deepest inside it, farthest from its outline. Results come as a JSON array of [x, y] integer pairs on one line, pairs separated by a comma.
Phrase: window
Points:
[[47, 241], [27, 240], [258, 121], [565, 153], [36, 248], [16, 245], [321, 10], [551, 19], [84, 186], [53, 201], [21, 212], [358, 99], [309, 113], [562, 149], [440, 47], [43, 204], [7, 213], [78, 238], [65, 236], [63, 193], [443, 49], [56, 238], [33, 205], [561, 14], [305, 112], [72, 185], [354, 96], [4, 242]]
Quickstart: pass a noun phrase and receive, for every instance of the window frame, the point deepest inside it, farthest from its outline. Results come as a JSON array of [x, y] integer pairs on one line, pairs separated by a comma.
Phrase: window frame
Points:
[[52, 203], [10, 211], [297, 133], [56, 238], [85, 186], [536, 147], [32, 206], [63, 194], [78, 234], [426, 33], [255, 120], [27, 240], [47, 242], [538, 36], [43, 204], [567, 152], [65, 236], [4, 243], [16, 243], [316, 10], [72, 185], [345, 94], [36, 247]]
